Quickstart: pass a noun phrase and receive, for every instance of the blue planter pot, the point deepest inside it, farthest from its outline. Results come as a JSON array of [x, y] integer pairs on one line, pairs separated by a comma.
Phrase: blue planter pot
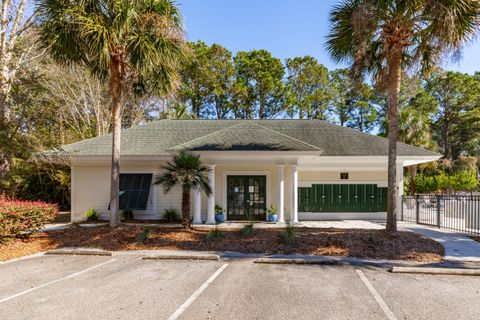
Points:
[[272, 218], [219, 218]]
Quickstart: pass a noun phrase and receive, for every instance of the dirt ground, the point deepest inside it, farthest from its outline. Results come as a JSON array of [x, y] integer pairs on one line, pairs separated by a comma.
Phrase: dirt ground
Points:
[[363, 243]]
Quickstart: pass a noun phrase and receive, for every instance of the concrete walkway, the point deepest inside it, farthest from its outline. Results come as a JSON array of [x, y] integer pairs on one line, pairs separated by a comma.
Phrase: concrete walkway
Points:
[[338, 224], [458, 247]]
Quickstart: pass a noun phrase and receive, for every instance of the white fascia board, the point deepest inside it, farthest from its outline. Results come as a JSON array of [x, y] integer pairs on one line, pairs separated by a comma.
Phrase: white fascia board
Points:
[[106, 159], [364, 160]]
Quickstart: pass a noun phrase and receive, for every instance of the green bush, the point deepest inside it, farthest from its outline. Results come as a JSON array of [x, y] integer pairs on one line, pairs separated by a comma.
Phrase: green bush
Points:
[[289, 235], [91, 214], [215, 234], [128, 214], [441, 181], [144, 235], [21, 217], [172, 215], [247, 230]]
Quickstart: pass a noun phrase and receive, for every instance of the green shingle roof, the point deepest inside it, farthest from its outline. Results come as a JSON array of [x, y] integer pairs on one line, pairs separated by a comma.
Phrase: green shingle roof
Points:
[[165, 136]]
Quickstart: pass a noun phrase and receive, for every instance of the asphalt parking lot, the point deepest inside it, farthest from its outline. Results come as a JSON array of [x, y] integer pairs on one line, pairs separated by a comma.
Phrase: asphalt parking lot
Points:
[[127, 287]]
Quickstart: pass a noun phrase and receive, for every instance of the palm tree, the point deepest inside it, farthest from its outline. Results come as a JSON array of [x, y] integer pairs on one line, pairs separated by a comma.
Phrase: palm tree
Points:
[[385, 38], [187, 172], [136, 44]]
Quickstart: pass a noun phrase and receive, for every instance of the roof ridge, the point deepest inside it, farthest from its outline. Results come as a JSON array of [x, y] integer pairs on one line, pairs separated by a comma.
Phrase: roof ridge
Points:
[[201, 137], [286, 135]]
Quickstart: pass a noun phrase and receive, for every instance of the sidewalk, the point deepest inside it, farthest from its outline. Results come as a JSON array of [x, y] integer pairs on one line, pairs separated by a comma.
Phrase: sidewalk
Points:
[[458, 247]]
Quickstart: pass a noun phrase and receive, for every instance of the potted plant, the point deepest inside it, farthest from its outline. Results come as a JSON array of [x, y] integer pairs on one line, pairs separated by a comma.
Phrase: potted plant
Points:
[[219, 217], [272, 214]]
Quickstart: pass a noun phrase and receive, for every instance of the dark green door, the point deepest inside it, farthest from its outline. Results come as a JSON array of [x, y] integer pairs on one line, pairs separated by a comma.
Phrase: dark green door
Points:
[[246, 195]]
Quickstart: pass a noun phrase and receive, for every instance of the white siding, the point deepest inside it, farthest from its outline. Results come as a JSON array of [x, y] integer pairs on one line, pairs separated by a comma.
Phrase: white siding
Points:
[[91, 188]]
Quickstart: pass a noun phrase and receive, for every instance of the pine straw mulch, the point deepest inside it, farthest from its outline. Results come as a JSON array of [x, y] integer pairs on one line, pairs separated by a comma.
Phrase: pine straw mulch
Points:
[[363, 243]]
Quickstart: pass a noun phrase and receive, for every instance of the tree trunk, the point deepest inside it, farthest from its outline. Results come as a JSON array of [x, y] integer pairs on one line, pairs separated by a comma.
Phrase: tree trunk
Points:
[[116, 88], [445, 131], [412, 170], [393, 93], [186, 209]]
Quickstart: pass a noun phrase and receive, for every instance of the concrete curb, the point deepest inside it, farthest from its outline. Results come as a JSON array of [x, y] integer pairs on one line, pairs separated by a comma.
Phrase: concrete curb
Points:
[[207, 257], [35, 255], [79, 252], [436, 271], [298, 261]]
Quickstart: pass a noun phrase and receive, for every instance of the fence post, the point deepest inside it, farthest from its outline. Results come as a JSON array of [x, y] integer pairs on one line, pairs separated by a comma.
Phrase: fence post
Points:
[[417, 210], [401, 207], [438, 210]]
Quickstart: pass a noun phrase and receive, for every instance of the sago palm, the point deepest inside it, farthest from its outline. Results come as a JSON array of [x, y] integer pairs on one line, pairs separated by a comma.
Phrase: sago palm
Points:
[[385, 38], [129, 43], [186, 172]]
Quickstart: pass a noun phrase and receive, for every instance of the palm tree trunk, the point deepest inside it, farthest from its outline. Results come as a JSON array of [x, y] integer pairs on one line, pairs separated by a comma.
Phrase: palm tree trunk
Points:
[[117, 94], [393, 93], [186, 209]]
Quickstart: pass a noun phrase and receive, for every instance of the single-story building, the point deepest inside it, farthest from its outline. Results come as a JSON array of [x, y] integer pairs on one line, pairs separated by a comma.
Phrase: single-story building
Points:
[[307, 169]]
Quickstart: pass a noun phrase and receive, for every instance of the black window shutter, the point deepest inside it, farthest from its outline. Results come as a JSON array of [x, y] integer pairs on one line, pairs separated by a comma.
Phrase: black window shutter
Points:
[[135, 190]]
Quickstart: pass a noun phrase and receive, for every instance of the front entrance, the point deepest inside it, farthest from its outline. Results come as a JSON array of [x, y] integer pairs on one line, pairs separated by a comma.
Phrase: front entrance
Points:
[[246, 195]]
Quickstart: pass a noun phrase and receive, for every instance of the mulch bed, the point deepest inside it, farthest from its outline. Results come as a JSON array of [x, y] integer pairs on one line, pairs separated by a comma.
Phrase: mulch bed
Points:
[[363, 243]]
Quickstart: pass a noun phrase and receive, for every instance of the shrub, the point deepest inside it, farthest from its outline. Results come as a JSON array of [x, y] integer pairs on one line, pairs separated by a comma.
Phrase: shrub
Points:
[[289, 235], [128, 214], [91, 214], [144, 234], [247, 230], [21, 217], [215, 234], [172, 215]]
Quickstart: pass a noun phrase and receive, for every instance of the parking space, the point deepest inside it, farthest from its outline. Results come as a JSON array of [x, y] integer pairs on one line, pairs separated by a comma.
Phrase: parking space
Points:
[[255, 291], [412, 296], [127, 287], [23, 275]]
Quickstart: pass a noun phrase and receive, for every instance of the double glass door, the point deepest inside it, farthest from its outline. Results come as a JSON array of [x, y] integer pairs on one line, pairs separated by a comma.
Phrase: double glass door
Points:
[[246, 195]]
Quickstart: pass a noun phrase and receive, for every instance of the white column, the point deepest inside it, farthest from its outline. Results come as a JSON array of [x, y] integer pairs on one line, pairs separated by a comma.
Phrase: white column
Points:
[[281, 194], [197, 206], [211, 198], [294, 209], [400, 188]]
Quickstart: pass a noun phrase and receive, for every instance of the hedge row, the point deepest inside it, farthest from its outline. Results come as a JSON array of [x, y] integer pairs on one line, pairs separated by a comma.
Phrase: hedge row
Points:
[[20, 217]]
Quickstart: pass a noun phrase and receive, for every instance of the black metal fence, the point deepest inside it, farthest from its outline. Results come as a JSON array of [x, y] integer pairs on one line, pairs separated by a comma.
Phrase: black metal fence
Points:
[[458, 213]]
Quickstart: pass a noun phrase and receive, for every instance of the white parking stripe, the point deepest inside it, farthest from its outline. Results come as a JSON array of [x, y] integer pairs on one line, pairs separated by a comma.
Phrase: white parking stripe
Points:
[[376, 296], [57, 280], [197, 293]]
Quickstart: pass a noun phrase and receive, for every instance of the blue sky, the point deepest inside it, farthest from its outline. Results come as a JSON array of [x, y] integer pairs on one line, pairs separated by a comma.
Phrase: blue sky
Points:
[[286, 28]]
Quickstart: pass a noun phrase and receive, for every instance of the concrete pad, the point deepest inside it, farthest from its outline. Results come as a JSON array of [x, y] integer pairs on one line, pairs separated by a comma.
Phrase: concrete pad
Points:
[[80, 252], [342, 224], [252, 291], [458, 247], [129, 288], [420, 296], [25, 274]]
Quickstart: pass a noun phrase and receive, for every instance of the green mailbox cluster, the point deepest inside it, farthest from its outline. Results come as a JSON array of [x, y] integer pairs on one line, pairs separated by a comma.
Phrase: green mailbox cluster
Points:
[[342, 198]]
